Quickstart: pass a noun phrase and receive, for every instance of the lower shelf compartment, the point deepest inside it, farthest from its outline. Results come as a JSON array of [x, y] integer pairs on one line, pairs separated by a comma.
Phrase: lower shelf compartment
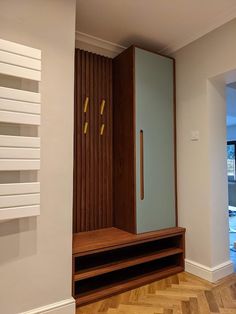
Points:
[[111, 261], [108, 291], [124, 263], [95, 288]]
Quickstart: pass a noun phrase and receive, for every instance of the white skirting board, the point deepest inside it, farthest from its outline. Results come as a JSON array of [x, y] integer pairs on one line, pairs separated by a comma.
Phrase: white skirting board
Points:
[[62, 307], [210, 274]]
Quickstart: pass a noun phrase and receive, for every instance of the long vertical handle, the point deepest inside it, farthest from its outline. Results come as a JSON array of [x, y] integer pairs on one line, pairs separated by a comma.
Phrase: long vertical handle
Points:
[[141, 167]]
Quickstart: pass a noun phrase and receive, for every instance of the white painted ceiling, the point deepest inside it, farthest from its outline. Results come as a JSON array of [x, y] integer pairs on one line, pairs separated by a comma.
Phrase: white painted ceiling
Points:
[[165, 25]]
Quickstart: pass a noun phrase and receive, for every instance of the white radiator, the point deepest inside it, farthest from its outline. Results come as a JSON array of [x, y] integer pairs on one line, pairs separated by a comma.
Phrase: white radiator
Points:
[[19, 153]]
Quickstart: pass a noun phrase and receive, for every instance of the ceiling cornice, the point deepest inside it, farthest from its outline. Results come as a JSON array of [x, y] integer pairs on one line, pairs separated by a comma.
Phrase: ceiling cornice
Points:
[[99, 42]]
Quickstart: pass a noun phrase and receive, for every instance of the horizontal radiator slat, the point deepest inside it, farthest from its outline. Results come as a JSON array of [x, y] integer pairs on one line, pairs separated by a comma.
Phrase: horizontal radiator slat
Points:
[[19, 188], [19, 212], [20, 49], [9, 69], [21, 61], [19, 95], [19, 106], [19, 141], [19, 118], [19, 200], [19, 164], [19, 153]]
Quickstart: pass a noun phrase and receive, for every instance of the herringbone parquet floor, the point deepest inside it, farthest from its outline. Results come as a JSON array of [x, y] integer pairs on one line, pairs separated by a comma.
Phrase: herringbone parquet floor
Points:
[[179, 294]]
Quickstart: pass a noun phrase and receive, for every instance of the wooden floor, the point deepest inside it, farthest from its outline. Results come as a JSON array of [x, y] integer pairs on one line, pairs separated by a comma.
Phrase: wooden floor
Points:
[[182, 293]]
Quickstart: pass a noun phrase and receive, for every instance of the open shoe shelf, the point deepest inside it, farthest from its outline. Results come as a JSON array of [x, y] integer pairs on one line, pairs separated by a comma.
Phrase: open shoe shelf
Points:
[[125, 262]]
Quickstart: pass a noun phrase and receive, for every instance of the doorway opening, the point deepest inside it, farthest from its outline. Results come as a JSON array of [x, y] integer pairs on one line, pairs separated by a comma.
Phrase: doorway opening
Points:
[[231, 166]]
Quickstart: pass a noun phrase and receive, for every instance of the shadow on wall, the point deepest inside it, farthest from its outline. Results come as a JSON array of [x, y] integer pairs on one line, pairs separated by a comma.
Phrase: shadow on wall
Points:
[[18, 239]]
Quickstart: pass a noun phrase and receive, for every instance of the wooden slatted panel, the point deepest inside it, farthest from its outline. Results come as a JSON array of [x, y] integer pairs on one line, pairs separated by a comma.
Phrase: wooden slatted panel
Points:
[[110, 141], [93, 151], [83, 149], [87, 207], [20, 61]]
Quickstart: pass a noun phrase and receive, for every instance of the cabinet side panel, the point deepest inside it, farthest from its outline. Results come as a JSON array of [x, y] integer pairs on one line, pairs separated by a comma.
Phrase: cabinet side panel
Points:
[[154, 117], [124, 141]]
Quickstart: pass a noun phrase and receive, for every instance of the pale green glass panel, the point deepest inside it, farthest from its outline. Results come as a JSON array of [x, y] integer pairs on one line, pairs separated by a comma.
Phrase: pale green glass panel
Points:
[[155, 116]]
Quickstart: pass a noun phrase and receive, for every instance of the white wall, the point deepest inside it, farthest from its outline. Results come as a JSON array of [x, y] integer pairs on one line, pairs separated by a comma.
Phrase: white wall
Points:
[[203, 68], [231, 133], [36, 253]]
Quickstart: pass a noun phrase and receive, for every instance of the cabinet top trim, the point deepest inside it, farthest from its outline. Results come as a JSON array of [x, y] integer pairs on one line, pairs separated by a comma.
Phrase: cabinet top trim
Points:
[[103, 239]]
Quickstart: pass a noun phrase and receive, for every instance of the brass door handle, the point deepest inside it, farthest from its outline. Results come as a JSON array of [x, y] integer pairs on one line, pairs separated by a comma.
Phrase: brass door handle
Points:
[[141, 166]]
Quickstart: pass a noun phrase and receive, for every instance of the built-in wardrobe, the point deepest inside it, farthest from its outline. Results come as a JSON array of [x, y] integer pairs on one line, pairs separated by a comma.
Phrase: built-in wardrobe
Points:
[[125, 222]]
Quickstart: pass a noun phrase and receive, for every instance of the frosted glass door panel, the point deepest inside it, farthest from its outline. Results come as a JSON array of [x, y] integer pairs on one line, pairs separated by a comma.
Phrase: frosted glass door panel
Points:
[[154, 116]]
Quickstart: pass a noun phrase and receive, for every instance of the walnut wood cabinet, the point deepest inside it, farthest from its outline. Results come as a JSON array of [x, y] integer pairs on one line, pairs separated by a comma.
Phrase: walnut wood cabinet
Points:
[[143, 141], [125, 216]]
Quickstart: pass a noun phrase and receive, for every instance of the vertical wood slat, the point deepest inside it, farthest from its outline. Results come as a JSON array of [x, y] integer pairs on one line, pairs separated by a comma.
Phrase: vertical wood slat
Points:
[[93, 152], [105, 146], [91, 141], [87, 140], [103, 212], [81, 214], [110, 142], [96, 183], [99, 145]]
